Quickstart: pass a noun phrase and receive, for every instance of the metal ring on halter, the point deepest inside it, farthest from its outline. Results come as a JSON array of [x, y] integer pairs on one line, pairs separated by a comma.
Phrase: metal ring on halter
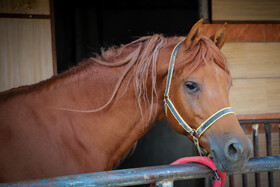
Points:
[[169, 105]]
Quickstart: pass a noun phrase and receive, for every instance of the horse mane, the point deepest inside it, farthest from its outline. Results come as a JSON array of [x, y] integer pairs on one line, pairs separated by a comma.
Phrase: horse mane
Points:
[[140, 54], [143, 58]]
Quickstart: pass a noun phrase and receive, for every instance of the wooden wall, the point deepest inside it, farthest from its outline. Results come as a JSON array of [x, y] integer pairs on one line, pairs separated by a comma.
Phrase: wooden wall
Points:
[[245, 10], [27, 53], [252, 51], [27, 7], [253, 56], [255, 68]]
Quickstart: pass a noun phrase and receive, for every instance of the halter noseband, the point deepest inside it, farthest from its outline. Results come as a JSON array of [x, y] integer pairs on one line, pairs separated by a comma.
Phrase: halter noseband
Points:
[[195, 133]]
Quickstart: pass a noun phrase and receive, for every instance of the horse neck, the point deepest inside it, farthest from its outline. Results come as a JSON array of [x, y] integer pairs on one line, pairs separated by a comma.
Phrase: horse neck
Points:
[[127, 122], [119, 125], [123, 120], [100, 138]]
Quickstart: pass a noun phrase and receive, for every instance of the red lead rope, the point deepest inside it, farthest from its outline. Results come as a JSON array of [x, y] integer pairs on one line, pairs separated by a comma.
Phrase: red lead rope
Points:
[[219, 180]]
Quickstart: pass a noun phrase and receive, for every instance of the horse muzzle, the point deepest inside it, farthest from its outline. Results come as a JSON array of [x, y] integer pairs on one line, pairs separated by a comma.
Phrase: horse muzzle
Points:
[[230, 153]]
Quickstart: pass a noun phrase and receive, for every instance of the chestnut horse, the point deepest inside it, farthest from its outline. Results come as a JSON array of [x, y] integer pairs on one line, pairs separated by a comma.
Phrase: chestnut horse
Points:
[[87, 118]]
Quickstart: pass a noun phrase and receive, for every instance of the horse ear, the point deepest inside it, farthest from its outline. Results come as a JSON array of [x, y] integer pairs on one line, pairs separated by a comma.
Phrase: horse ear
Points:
[[220, 37], [194, 35]]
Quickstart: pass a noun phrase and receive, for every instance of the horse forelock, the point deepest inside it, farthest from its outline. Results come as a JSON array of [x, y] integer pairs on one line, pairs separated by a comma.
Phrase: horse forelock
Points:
[[204, 51]]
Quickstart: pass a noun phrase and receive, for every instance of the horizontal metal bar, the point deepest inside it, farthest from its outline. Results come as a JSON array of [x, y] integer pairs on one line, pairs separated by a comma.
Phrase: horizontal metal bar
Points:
[[260, 164], [253, 121], [148, 175], [126, 177]]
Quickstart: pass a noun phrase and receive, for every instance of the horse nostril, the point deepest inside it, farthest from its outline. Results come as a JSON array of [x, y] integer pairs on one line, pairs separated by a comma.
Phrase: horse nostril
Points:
[[233, 151]]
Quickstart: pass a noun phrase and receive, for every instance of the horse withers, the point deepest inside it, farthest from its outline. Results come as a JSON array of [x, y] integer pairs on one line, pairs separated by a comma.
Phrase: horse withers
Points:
[[87, 118]]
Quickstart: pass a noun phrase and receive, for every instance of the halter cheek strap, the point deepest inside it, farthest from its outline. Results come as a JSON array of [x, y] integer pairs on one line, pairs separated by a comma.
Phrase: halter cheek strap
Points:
[[196, 134]]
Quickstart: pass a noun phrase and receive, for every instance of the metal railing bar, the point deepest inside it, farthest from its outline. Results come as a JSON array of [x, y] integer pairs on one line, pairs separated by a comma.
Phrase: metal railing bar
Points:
[[253, 121], [244, 176], [148, 175], [126, 177], [268, 139], [244, 180], [231, 180], [260, 164], [256, 151], [269, 151]]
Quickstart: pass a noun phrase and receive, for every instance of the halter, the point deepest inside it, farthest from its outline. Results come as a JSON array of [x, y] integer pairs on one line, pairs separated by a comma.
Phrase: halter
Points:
[[195, 133]]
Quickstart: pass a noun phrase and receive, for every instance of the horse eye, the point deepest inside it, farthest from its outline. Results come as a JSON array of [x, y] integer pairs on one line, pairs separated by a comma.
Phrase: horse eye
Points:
[[191, 86]]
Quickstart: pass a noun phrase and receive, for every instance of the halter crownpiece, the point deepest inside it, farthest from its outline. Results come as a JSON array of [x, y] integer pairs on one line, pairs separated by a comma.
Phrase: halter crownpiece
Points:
[[195, 133]]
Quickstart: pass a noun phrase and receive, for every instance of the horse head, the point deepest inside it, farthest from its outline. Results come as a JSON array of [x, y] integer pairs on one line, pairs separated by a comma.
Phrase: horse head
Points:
[[197, 99]]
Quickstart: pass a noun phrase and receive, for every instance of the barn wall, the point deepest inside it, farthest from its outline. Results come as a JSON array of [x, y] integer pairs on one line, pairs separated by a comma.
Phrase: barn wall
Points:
[[255, 69], [26, 50], [245, 10], [29, 7], [252, 51]]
